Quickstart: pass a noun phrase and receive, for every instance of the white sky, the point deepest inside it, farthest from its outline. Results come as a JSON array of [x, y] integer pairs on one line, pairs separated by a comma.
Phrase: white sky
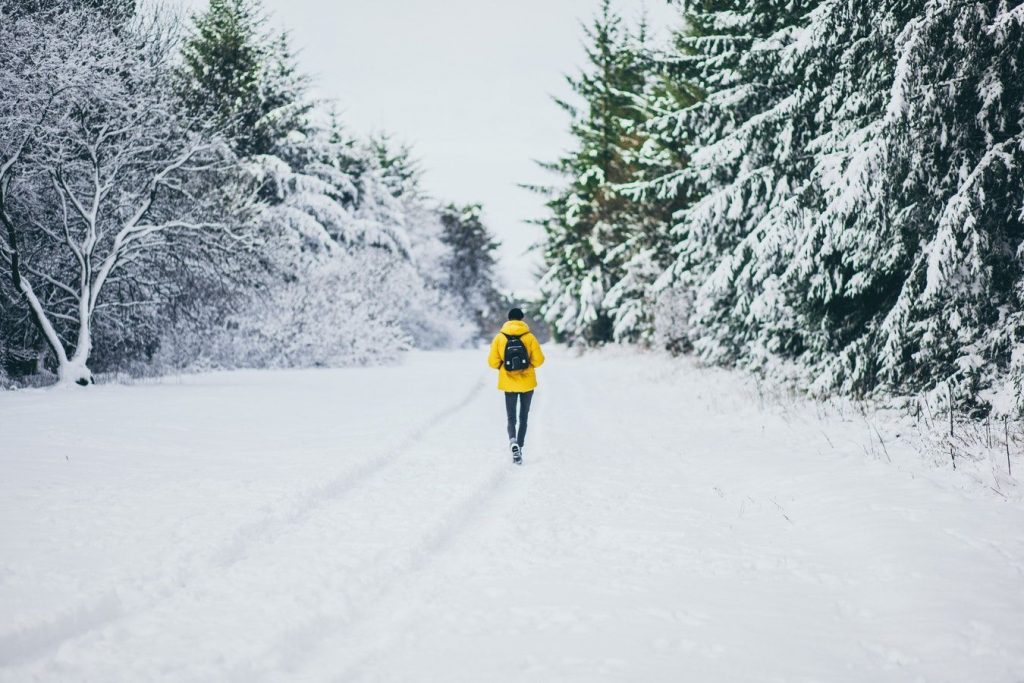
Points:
[[467, 83]]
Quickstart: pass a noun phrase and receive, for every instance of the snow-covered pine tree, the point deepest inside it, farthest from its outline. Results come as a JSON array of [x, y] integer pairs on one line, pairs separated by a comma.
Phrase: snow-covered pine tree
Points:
[[242, 79], [917, 228], [327, 188], [661, 151], [857, 213], [966, 94], [743, 167], [856, 242], [471, 266], [591, 216]]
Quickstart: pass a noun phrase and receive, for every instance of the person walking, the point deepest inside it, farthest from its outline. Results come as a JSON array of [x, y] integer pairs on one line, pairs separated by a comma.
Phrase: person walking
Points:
[[515, 354]]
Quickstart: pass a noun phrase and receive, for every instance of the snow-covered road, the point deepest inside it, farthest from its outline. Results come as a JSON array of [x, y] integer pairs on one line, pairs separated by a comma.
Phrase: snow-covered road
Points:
[[367, 525]]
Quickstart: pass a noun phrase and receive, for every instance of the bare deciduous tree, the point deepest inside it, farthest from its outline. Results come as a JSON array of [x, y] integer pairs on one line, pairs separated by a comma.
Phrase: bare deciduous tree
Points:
[[101, 174]]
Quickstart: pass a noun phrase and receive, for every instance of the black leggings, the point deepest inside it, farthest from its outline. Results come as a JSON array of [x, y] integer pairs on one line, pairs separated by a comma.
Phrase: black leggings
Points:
[[524, 414]]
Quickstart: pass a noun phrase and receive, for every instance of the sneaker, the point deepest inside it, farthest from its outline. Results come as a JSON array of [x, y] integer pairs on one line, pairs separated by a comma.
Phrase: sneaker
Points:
[[517, 453]]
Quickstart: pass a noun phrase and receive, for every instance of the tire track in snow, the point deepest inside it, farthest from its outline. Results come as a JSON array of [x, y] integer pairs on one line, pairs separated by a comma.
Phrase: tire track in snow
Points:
[[24, 644], [356, 604], [319, 495], [519, 487], [353, 607], [28, 643]]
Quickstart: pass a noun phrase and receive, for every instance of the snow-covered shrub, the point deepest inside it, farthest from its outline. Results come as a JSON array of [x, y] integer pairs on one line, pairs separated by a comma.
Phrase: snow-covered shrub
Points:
[[340, 312], [672, 311], [358, 308]]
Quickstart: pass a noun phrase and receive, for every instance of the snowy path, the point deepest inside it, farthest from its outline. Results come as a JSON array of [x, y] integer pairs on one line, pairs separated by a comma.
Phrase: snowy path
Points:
[[366, 524]]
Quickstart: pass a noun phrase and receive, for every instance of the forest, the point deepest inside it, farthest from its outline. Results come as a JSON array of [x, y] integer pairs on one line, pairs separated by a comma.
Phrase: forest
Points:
[[824, 192], [173, 198]]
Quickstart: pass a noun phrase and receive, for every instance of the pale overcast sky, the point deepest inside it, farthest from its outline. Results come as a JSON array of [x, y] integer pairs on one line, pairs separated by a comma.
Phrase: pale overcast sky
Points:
[[467, 83]]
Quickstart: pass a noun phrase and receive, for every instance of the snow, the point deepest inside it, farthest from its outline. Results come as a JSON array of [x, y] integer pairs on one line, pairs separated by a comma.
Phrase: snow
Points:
[[367, 525]]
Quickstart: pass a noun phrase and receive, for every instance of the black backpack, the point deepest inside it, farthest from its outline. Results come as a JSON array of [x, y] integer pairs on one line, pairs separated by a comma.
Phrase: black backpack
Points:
[[516, 356]]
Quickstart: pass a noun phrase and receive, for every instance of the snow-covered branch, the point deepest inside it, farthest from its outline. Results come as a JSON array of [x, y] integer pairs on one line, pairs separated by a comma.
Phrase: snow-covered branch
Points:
[[104, 162]]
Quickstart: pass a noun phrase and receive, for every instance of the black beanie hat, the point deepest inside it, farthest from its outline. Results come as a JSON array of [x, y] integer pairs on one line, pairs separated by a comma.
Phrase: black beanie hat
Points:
[[515, 314]]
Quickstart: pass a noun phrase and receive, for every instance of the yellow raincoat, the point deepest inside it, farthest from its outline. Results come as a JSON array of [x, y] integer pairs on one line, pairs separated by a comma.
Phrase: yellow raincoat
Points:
[[521, 380]]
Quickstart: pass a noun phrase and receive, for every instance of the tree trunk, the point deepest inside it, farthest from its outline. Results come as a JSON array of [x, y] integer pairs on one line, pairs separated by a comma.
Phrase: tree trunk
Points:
[[75, 371]]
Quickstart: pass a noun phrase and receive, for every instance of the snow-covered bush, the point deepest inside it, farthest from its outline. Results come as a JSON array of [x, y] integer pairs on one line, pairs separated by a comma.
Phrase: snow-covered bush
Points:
[[340, 312], [354, 308], [672, 311]]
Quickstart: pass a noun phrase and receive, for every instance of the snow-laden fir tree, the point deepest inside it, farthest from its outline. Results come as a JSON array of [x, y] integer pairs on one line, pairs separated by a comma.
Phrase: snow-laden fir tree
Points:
[[859, 214], [470, 265], [847, 183], [915, 241], [242, 79], [591, 216], [660, 155], [743, 167]]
